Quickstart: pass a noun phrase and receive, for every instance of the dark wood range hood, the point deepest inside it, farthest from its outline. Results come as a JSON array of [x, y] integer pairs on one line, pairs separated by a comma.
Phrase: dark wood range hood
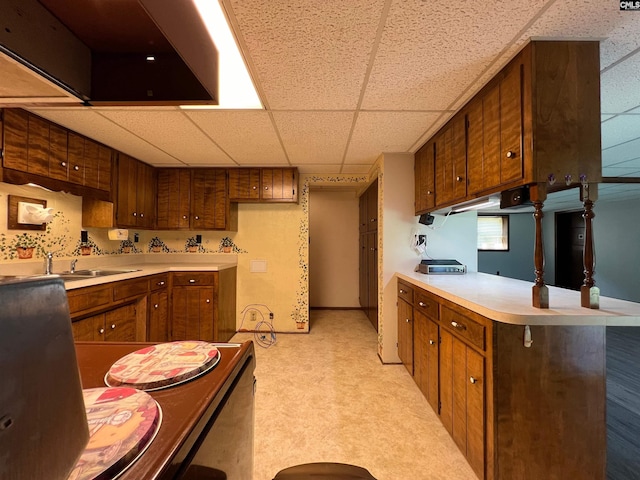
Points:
[[98, 51]]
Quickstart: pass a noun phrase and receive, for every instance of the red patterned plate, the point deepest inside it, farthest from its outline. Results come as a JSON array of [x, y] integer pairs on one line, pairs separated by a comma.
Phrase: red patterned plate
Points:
[[122, 424], [163, 365]]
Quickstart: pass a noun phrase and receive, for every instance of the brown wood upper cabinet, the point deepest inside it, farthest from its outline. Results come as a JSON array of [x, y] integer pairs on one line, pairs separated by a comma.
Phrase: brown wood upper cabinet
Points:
[[36, 150], [136, 194], [263, 185], [536, 122], [425, 178], [194, 199]]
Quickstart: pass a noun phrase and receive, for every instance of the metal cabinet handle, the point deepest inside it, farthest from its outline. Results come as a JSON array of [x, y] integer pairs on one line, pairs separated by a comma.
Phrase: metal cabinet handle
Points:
[[472, 380], [266, 188], [135, 214], [422, 304], [407, 320], [113, 326], [254, 188], [402, 291], [458, 178], [458, 325], [197, 217], [429, 192], [76, 168], [155, 306], [208, 301], [160, 283], [432, 342], [142, 215], [101, 331], [372, 220], [184, 217], [191, 280], [63, 164], [511, 154]]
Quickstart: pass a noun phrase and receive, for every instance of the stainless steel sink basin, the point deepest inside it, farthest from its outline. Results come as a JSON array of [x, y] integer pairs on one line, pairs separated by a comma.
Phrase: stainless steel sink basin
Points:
[[84, 274]]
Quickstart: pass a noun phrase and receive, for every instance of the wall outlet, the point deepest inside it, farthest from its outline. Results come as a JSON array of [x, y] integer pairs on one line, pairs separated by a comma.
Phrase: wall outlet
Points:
[[198, 239], [270, 315], [252, 315]]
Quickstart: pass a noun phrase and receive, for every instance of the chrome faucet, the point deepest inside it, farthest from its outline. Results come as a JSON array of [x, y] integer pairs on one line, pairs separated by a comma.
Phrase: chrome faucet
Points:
[[48, 264], [72, 267]]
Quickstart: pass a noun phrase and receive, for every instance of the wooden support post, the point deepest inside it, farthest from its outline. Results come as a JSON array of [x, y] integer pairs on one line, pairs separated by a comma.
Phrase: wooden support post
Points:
[[540, 292], [589, 293]]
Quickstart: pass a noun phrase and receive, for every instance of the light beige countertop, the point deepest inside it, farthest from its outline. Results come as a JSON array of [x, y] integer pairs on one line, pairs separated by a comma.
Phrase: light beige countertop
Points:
[[510, 301], [137, 266]]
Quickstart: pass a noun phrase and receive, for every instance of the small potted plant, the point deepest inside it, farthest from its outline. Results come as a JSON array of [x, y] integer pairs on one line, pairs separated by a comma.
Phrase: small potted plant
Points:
[[192, 245], [226, 244], [126, 245], [25, 244], [156, 245], [85, 248]]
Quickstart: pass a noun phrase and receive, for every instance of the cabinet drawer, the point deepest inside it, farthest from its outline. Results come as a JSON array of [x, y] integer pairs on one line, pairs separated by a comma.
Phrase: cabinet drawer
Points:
[[426, 303], [89, 297], [194, 278], [158, 282], [130, 288], [405, 292], [466, 328]]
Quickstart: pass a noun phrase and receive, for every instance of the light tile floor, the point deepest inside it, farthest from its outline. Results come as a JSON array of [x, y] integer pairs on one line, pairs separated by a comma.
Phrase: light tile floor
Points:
[[326, 397]]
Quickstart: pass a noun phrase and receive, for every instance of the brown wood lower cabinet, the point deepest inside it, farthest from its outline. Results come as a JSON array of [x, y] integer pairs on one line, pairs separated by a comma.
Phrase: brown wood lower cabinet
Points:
[[203, 305], [515, 412], [158, 328], [117, 325]]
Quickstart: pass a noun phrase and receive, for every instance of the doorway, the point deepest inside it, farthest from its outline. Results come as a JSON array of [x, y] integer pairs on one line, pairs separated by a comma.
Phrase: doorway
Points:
[[569, 249]]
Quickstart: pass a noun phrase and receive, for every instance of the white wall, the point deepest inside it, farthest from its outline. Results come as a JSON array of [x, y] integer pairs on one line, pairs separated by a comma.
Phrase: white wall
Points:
[[333, 248], [453, 237]]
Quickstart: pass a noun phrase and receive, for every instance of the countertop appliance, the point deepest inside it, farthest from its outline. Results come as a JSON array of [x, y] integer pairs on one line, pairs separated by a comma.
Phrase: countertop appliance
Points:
[[441, 267]]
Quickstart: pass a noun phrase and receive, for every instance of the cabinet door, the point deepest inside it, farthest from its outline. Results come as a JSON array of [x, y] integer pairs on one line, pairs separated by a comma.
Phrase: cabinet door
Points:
[[209, 201], [16, 124], [97, 165], [475, 149], [58, 162], [459, 158], [462, 398], [491, 138], [425, 357], [120, 324], [38, 146], [444, 167], [89, 329], [279, 184], [372, 207], [244, 184], [511, 164], [192, 313], [174, 198], [475, 378], [75, 156], [127, 213], [405, 335], [362, 213], [372, 278], [158, 316], [424, 179], [146, 195], [363, 277]]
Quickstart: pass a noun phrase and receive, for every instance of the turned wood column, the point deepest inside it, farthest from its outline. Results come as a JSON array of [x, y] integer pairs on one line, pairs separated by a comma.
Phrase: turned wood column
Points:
[[589, 293], [540, 292]]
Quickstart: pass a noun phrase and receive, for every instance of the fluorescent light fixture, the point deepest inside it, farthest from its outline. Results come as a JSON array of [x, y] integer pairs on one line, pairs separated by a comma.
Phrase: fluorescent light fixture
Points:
[[477, 205], [235, 87]]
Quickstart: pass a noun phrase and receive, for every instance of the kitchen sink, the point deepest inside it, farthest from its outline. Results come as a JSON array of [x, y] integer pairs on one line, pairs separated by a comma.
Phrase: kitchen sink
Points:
[[84, 274]]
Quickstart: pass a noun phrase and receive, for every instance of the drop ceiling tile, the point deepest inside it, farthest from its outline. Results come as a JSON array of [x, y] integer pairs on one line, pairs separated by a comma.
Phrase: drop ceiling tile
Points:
[[308, 54], [247, 136], [89, 122], [430, 52], [314, 138], [377, 132], [172, 132], [619, 86], [320, 169]]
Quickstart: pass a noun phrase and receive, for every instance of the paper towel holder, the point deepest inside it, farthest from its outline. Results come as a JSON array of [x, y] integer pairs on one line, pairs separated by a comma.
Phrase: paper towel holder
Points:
[[12, 220]]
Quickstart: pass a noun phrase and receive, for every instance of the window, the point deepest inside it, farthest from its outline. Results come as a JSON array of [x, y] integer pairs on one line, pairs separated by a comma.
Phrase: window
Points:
[[493, 232]]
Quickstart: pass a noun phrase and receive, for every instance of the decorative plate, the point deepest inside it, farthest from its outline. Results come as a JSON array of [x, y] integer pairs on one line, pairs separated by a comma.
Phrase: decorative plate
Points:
[[163, 365]]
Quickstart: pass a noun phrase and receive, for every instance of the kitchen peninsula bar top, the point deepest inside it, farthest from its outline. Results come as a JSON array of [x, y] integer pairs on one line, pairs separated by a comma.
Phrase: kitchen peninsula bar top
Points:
[[507, 300]]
